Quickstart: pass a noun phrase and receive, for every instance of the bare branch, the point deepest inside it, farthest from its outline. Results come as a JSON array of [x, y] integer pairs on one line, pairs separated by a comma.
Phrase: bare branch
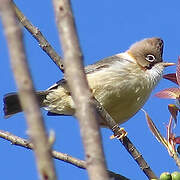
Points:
[[15, 140], [75, 75], [125, 141], [26, 89], [177, 160], [36, 33]]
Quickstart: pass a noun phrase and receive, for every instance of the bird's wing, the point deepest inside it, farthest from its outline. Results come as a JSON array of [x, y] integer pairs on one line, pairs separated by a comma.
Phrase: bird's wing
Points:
[[99, 65]]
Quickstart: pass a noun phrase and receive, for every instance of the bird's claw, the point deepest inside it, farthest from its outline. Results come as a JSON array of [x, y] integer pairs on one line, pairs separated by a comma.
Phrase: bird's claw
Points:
[[121, 134]]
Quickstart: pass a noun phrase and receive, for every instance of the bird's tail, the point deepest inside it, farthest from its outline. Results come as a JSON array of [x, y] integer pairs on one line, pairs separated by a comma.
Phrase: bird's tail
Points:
[[12, 103]]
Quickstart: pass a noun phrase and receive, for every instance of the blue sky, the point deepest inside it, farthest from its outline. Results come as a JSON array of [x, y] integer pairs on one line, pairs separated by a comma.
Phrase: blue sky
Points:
[[105, 28]]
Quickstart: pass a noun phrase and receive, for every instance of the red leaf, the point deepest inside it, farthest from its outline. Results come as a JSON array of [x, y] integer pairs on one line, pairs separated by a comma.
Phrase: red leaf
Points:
[[171, 77], [154, 130], [178, 71], [177, 140], [169, 93]]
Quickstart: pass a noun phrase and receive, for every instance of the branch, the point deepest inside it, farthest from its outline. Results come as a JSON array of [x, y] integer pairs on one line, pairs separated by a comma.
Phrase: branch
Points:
[[26, 91], [125, 141], [15, 140], [36, 33], [81, 94]]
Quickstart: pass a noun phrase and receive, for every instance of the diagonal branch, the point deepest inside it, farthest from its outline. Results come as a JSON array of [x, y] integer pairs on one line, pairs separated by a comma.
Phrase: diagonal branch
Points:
[[81, 94], [125, 141], [36, 33], [15, 140], [26, 91]]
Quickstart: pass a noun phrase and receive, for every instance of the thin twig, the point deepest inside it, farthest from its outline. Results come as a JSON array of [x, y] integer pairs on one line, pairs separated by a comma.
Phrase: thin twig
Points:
[[177, 160], [36, 33], [15, 140], [81, 94], [26, 91], [18, 141]]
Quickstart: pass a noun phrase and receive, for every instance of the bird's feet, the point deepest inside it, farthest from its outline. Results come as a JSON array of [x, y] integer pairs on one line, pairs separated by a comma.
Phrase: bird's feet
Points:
[[120, 134]]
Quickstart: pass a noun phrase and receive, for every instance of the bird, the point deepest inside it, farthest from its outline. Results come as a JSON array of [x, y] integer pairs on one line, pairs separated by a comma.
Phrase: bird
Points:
[[122, 83]]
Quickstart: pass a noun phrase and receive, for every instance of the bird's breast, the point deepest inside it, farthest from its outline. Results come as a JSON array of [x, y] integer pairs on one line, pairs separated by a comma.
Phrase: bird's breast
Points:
[[122, 94]]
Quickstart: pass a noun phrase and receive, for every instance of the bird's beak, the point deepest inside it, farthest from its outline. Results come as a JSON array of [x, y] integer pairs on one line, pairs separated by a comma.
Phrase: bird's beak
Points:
[[166, 64]]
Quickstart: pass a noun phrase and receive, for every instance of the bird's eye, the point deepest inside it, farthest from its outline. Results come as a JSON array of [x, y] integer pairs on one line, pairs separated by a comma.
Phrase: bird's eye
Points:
[[150, 58]]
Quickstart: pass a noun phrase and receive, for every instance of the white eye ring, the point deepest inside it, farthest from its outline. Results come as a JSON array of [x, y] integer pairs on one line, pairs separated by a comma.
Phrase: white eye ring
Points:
[[150, 58]]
